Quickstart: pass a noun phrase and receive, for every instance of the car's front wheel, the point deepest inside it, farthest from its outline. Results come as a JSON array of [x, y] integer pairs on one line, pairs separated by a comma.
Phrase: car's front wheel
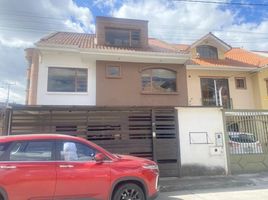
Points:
[[129, 191]]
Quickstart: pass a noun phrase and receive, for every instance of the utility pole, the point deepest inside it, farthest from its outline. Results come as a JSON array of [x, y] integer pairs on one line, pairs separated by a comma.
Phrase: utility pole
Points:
[[8, 86]]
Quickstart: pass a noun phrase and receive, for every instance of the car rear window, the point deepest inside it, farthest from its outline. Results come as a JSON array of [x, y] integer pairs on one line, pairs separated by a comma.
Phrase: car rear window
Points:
[[243, 138], [31, 151], [3, 147]]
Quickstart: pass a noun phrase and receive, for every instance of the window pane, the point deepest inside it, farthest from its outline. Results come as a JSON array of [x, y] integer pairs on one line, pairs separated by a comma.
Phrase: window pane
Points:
[[74, 151], [117, 37], [146, 80], [135, 38], [113, 71], [81, 80], [206, 51], [31, 151], [61, 80], [163, 80], [67, 80], [240, 83]]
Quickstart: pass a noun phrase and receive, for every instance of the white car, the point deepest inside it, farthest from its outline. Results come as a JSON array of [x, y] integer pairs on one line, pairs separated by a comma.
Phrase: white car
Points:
[[244, 143]]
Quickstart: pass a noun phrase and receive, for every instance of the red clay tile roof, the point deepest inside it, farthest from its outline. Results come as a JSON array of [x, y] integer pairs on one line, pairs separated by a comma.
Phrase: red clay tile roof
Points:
[[246, 57], [234, 57], [85, 40]]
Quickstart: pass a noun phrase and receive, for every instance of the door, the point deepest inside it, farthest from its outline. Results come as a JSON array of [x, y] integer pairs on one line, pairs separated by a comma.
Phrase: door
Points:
[[28, 171], [79, 176], [215, 92]]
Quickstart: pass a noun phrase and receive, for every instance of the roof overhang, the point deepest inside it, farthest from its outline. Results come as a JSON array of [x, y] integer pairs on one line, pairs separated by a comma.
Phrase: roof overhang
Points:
[[120, 55]]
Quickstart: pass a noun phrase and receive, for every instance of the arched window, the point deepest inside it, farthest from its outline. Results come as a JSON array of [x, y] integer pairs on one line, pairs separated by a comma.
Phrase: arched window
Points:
[[159, 80], [206, 51]]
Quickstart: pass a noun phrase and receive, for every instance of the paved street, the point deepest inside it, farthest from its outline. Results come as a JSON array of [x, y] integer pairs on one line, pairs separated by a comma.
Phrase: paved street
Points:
[[236, 187], [245, 193]]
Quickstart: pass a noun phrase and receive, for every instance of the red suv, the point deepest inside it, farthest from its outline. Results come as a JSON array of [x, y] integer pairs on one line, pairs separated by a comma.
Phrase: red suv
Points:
[[47, 167]]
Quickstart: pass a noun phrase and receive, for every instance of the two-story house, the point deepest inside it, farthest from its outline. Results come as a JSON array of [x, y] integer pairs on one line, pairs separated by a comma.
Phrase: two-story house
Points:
[[219, 75], [215, 78], [117, 66], [120, 65]]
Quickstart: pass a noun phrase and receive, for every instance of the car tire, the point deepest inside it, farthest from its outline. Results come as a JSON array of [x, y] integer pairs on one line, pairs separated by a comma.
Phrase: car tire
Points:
[[129, 191]]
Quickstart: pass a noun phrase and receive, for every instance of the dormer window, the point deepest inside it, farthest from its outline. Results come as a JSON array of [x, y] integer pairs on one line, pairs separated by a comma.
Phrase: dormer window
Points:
[[122, 37], [206, 51]]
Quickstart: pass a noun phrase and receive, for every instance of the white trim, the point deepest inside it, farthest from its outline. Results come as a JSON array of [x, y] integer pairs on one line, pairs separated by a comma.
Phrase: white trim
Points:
[[222, 68], [122, 55], [212, 37]]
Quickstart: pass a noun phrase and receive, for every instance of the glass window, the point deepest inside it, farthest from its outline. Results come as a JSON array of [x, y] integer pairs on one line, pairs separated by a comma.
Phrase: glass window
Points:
[[159, 80], [67, 79], [74, 151], [32, 151], [240, 83], [113, 71], [122, 37], [206, 51], [214, 89], [3, 148]]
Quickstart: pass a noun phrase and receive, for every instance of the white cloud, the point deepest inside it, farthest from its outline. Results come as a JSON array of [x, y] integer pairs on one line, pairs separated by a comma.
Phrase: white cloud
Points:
[[24, 22], [182, 22]]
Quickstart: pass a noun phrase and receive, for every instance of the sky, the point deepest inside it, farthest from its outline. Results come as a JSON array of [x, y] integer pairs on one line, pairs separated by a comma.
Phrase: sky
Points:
[[24, 22]]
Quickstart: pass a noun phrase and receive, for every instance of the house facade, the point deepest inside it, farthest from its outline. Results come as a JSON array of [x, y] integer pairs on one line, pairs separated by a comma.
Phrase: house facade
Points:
[[216, 76], [121, 66], [118, 65]]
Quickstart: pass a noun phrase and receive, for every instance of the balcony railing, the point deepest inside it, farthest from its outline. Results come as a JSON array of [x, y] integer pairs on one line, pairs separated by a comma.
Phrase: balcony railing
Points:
[[226, 103]]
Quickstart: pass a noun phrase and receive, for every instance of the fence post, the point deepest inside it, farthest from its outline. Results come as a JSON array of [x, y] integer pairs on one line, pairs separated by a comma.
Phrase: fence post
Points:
[[226, 139], [154, 135]]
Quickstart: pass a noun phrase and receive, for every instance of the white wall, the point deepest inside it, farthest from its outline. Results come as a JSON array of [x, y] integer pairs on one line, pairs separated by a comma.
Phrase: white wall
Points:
[[201, 159], [73, 60]]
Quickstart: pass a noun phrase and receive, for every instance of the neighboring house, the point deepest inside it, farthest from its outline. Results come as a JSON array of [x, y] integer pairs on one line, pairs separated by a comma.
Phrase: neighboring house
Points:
[[117, 66], [219, 75]]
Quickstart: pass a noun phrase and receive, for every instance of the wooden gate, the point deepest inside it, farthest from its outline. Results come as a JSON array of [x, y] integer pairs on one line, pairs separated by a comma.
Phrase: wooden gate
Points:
[[139, 131]]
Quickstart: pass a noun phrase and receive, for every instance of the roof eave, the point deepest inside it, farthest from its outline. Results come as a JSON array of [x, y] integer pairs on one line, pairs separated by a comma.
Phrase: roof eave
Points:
[[121, 55], [222, 68]]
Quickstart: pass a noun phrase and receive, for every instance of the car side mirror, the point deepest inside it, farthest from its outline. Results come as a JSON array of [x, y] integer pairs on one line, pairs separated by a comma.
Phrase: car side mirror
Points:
[[99, 157]]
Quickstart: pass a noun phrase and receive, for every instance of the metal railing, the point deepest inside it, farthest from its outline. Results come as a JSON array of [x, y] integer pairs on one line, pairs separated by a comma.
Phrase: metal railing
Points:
[[226, 103], [247, 131]]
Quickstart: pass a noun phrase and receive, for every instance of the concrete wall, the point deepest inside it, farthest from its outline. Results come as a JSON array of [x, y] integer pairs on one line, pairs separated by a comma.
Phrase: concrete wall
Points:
[[199, 151], [241, 98], [71, 60]]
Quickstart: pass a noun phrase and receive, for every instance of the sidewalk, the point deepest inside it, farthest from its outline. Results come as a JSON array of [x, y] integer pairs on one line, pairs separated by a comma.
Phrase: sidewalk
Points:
[[213, 182]]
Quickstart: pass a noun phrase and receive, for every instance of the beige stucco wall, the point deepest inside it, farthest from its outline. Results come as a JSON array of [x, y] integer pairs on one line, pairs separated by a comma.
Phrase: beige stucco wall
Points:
[[241, 98], [260, 92], [126, 91]]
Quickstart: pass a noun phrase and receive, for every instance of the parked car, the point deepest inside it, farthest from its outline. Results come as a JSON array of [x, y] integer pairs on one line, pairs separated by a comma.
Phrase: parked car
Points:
[[244, 143], [48, 166]]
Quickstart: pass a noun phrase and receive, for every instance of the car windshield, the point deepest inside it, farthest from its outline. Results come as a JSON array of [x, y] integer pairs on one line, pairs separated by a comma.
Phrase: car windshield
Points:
[[242, 138]]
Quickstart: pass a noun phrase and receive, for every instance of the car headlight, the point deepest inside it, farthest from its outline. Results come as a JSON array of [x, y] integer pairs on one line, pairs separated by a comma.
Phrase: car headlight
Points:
[[151, 167]]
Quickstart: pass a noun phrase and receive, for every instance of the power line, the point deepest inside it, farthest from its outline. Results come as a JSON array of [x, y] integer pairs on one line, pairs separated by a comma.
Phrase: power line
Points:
[[223, 3]]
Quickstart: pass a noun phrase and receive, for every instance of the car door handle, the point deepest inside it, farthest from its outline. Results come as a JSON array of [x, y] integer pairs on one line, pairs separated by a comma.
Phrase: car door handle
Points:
[[8, 167], [66, 166]]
